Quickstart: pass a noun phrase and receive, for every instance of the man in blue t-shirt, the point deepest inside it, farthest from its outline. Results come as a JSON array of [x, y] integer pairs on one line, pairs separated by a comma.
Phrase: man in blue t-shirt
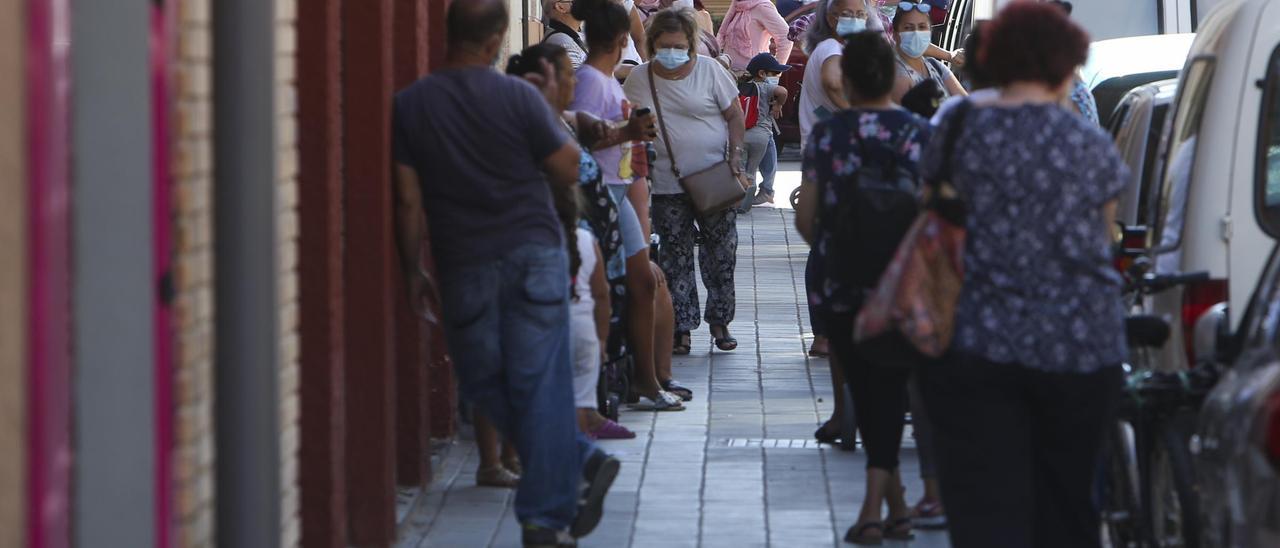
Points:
[[482, 153]]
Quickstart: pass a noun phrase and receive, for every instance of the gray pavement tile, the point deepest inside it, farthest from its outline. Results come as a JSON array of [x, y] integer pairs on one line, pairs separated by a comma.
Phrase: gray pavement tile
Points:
[[700, 477]]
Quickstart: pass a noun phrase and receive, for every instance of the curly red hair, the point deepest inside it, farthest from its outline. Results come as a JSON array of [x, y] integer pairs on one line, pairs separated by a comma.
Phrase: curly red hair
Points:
[[1031, 41]]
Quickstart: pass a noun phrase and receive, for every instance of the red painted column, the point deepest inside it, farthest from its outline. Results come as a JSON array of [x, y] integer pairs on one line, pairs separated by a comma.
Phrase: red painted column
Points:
[[322, 453], [412, 441], [442, 395], [49, 452], [369, 270]]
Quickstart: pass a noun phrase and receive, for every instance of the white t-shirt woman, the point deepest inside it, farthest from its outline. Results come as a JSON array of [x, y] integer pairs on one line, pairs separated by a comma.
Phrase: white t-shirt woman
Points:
[[692, 111]]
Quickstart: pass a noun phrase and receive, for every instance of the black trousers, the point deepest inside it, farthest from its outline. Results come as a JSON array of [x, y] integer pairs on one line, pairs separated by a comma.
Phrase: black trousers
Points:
[[1018, 450], [879, 395]]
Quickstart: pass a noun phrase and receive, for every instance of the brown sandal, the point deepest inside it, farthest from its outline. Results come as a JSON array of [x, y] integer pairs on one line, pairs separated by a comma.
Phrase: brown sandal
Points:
[[683, 344], [858, 534], [496, 476]]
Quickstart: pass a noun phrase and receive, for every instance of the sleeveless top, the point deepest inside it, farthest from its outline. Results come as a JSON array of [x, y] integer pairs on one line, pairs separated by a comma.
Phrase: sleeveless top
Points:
[[937, 73]]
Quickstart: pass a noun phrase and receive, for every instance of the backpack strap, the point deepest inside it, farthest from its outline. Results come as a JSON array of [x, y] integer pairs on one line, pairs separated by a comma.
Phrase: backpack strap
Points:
[[560, 28]]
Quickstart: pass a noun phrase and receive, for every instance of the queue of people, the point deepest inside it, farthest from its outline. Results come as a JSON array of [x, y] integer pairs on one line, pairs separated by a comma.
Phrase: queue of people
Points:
[[542, 214], [1009, 420]]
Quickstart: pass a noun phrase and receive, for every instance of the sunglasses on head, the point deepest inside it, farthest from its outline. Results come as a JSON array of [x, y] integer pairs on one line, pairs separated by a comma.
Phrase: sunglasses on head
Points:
[[918, 6]]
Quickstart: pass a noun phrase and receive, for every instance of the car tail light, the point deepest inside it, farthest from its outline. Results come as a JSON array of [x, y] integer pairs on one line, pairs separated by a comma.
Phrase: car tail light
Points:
[[1271, 439], [1196, 299]]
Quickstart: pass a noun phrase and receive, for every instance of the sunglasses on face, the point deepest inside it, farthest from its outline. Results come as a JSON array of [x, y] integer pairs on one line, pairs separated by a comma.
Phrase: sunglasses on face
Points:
[[918, 6]]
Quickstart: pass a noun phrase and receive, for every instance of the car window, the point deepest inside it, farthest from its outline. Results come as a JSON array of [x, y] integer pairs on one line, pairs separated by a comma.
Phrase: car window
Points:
[[1268, 151], [1179, 155], [1149, 164]]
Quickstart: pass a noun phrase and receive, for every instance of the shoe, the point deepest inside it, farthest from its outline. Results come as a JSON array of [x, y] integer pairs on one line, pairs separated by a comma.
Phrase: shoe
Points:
[[665, 401], [609, 430], [898, 529], [674, 387], [533, 536], [859, 534], [821, 347], [762, 199], [599, 472], [497, 476], [513, 464], [929, 514]]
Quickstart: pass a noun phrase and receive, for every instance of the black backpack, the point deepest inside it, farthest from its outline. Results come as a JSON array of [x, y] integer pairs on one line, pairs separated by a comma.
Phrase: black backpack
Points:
[[866, 230]]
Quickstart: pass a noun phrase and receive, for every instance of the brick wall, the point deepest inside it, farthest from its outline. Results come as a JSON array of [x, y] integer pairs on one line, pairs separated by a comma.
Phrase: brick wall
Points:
[[193, 277], [287, 240]]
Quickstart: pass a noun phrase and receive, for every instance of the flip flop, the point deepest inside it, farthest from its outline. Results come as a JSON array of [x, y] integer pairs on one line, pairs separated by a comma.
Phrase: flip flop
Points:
[[726, 343], [665, 401], [674, 387]]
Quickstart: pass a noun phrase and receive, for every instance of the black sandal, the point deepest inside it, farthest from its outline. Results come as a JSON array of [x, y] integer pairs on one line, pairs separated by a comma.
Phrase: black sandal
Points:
[[726, 343], [827, 436], [683, 344], [858, 534], [674, 387]]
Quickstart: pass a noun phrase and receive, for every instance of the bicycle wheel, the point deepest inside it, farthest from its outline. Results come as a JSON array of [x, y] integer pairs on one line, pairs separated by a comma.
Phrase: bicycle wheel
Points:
[[1121, 523], [1172, 494]]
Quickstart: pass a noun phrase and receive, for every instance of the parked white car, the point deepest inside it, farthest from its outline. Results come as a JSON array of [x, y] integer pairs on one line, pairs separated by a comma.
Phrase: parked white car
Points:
[[1217, 209], [1202, 210], [1137, 125], [1122, 64]]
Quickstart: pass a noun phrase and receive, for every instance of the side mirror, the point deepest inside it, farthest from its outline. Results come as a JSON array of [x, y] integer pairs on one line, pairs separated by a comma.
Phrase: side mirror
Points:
[[1211, 340]]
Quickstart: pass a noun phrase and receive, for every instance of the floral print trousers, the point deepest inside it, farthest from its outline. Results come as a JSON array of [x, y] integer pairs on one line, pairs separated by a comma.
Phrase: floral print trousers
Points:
[[674, 221]]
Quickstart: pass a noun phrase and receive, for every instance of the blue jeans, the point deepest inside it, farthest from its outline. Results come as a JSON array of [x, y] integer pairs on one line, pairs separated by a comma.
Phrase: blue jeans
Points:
[[507, 325], [769, 166]]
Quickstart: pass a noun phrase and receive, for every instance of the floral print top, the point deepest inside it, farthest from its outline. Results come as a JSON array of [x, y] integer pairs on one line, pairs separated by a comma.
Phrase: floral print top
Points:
[[832, 159], [1039, 287]]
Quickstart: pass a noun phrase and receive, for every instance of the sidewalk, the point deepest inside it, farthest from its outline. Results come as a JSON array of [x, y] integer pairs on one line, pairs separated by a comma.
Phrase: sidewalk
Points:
[[739, 467]]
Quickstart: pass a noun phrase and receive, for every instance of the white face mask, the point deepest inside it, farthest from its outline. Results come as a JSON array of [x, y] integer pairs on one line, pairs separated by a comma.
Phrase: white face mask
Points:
[[773, 79]]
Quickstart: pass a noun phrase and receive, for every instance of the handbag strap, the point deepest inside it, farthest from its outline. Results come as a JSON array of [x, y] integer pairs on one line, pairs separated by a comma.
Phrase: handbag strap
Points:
[[662, 124]]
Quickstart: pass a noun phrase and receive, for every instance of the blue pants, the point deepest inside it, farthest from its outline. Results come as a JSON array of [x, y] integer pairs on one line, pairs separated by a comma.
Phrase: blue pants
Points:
[[769, 166], [507, 325]]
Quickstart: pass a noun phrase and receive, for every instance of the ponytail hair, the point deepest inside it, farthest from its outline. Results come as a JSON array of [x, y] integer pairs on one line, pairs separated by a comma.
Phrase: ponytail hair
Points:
[[530, 60], [606, 21]]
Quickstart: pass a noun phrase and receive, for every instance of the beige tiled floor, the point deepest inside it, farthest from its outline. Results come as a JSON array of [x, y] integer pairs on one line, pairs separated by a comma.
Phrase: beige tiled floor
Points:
[[716, 474]]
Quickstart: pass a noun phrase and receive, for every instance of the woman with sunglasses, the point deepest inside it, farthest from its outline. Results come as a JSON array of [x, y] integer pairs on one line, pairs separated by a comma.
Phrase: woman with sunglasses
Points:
[[912, 30]]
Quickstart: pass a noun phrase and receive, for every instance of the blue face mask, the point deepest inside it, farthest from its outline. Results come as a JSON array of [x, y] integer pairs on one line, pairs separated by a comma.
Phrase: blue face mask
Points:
[[850, 25], [672, 58], [914, 43]]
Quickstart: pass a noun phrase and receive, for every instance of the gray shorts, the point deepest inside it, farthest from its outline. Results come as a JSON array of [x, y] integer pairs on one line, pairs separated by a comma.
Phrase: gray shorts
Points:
[[633, 240]]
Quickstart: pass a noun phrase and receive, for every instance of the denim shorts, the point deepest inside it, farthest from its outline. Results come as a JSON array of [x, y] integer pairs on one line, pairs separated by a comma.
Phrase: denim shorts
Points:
[[633, 240]]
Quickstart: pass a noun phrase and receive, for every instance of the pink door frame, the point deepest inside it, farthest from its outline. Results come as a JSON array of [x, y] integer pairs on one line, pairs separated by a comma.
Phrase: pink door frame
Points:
[[161, 16], [49, 453], [49, 450]]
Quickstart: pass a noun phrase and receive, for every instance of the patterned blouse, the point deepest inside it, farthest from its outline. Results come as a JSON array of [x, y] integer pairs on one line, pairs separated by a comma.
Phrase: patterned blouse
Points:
[[832, 160], [1040, 290]]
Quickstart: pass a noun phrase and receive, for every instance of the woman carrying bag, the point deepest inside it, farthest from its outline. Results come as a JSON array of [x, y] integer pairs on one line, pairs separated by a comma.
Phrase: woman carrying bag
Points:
[[698, 165]]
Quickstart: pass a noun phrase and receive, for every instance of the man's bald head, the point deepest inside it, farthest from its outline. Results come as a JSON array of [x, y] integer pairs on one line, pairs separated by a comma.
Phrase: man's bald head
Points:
[[474, 22]]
